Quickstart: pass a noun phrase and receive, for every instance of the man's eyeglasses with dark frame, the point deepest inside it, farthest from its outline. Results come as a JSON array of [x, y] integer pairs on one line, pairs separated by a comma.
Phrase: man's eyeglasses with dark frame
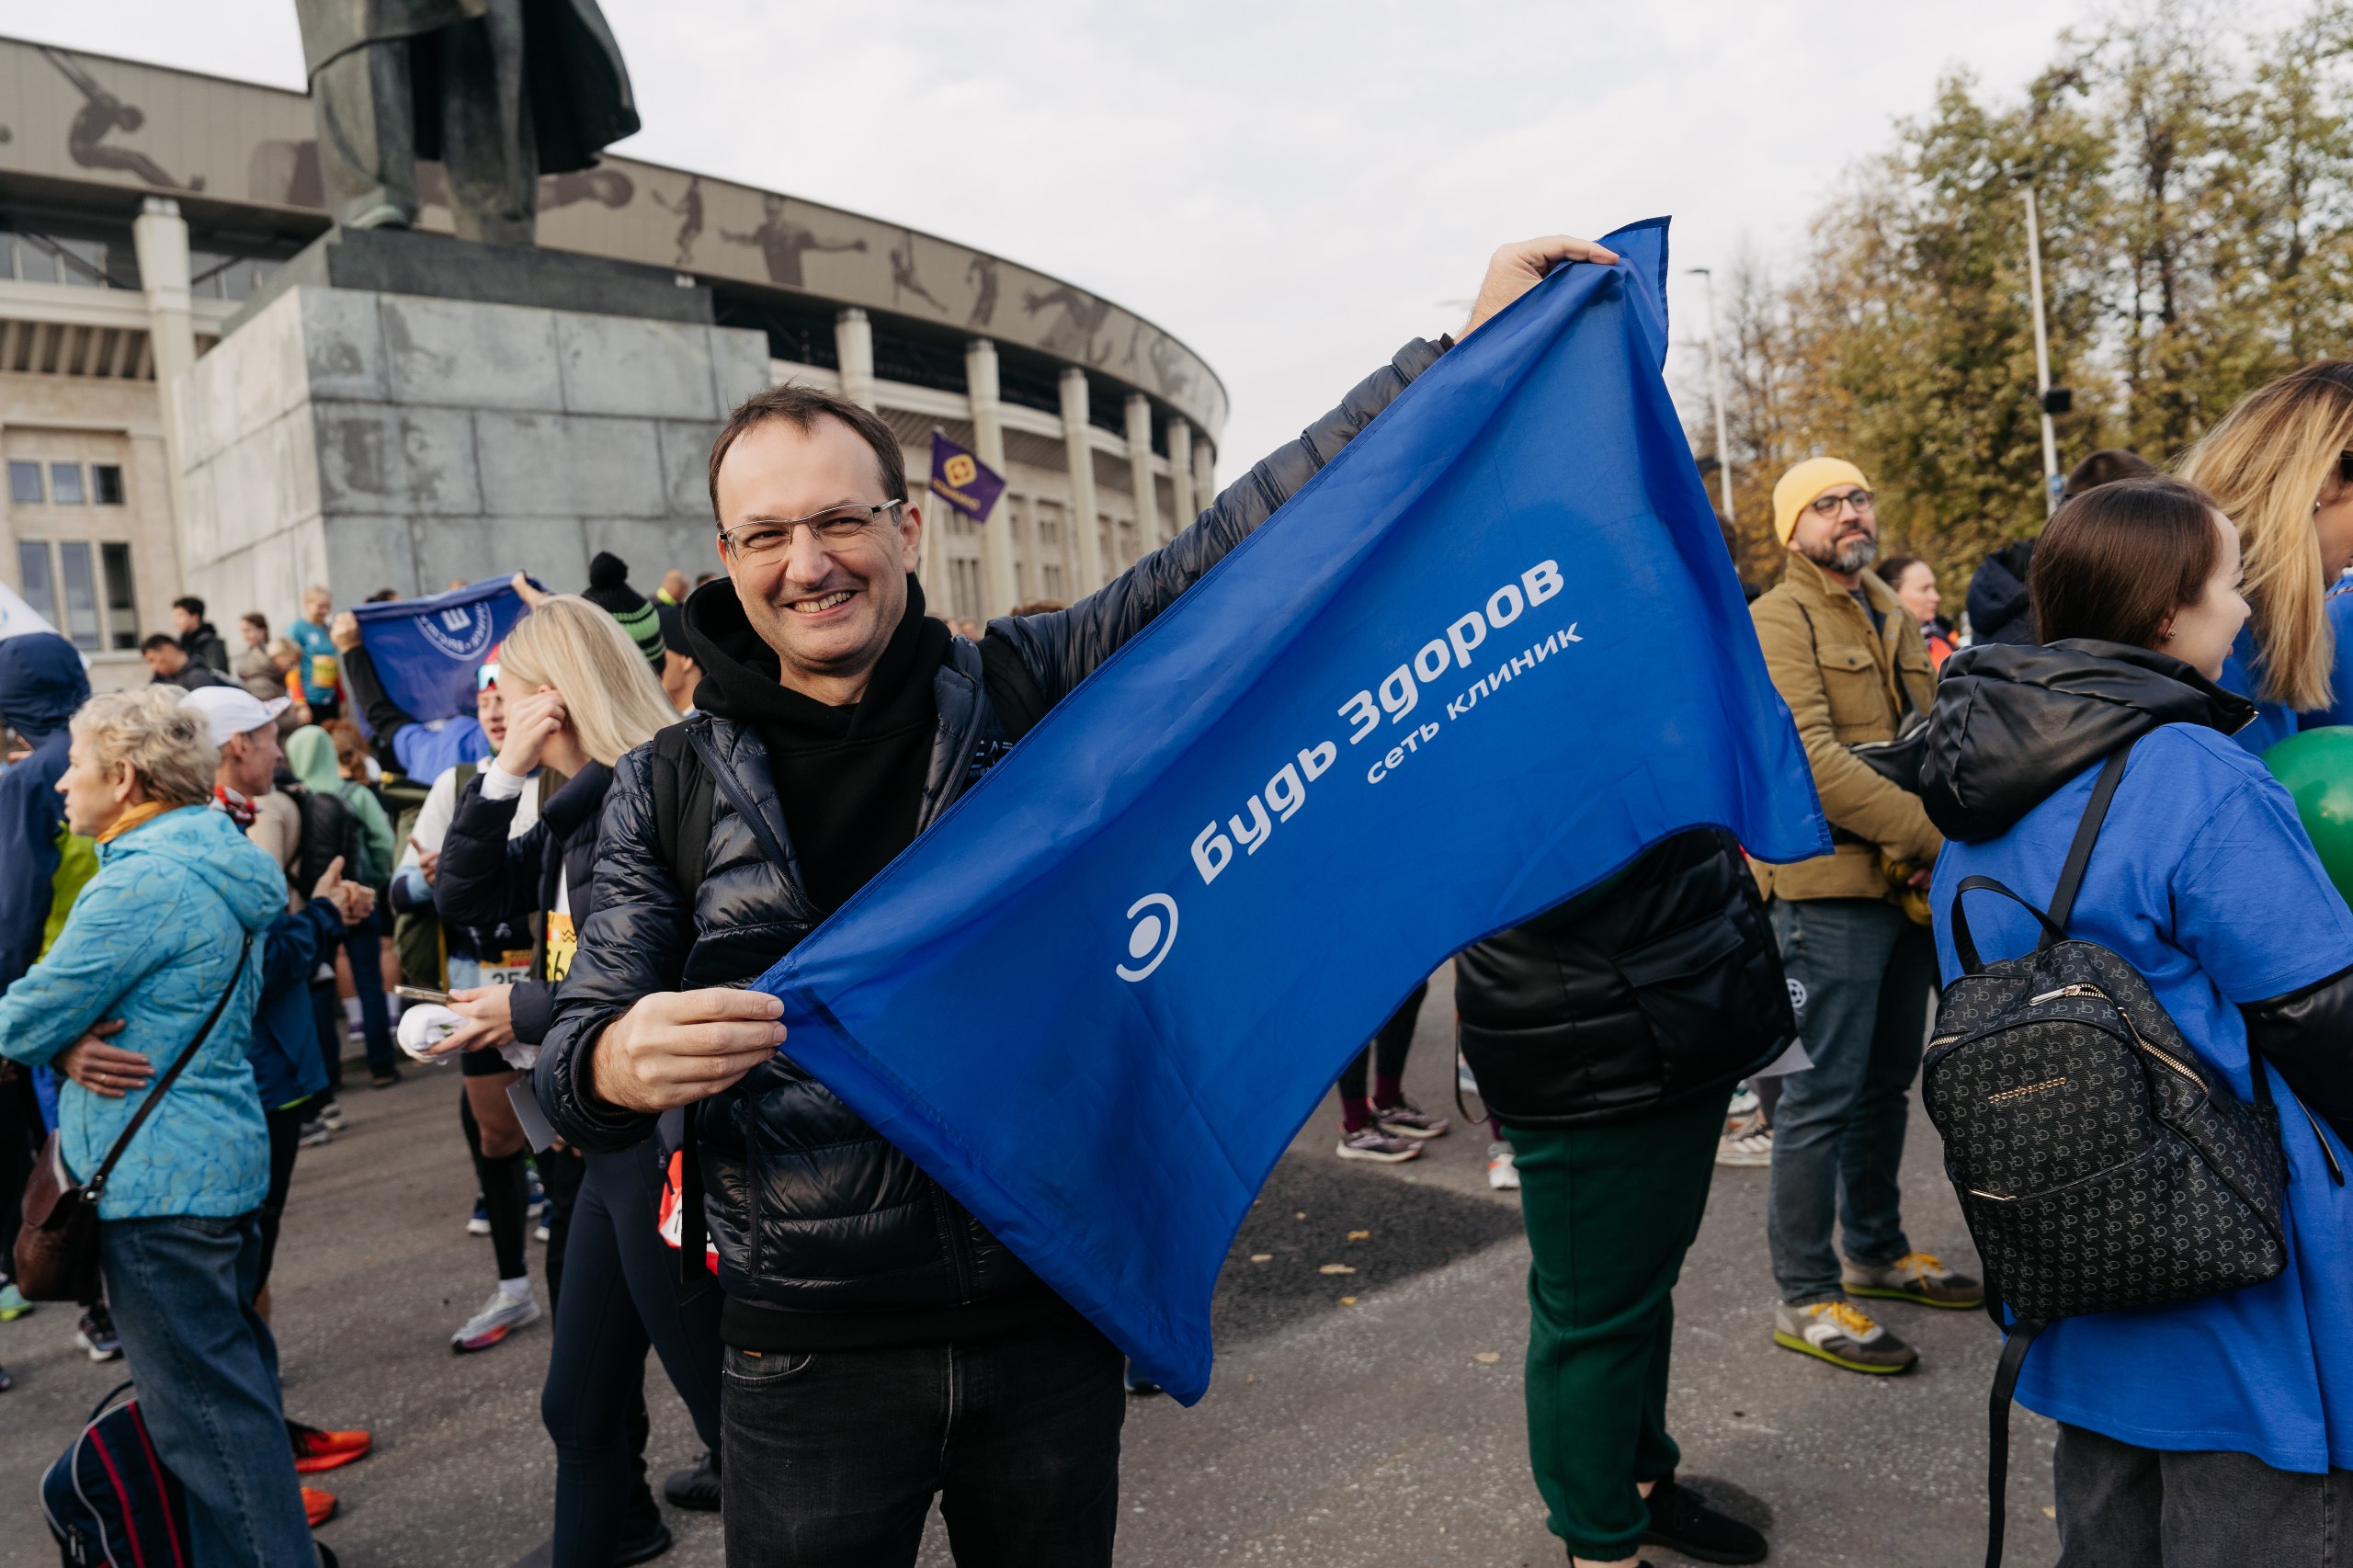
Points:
[[1828, 505], [834, 524]]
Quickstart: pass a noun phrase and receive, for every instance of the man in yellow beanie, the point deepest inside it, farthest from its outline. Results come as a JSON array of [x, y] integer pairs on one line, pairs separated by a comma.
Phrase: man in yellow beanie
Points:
[[1853, 667]]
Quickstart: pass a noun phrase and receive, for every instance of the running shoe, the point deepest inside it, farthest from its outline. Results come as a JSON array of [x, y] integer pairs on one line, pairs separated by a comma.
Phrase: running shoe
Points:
[[1503, 1171], [535, 1201], [1748, 1141], [540, 1232], [95, 1333], [696, 1488], [13, 1304], [1407, 1120], [1841, 1334], [1682, 1521], [1915, 1277], [1742, 1103], [385, 1079], [500, 1316], [480, 1225], [316, 1449], [1370, 1143], [317, 1507], [314, 1132], [332, 1114], [1462, 1078]]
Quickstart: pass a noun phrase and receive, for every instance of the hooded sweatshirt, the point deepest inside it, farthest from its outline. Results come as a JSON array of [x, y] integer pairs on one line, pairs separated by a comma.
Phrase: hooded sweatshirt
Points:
[[42, 683], [154, 942], [310, 756]]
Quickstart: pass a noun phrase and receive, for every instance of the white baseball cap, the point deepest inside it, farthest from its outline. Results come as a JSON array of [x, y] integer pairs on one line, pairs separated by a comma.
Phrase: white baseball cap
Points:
[[233, 710]]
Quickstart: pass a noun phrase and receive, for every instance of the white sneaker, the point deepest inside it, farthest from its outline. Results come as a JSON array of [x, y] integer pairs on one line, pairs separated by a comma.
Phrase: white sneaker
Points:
[[1462, 1079], [1503, 1171], [1742, 1103], [500, 1316], [1746, 1143]]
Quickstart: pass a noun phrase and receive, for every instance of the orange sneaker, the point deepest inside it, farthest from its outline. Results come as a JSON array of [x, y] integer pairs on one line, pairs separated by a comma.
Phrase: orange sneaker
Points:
[[318, 1506], [316, 1449]]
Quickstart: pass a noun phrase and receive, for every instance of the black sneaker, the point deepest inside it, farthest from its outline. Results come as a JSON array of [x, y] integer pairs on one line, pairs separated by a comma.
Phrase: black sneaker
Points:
[[696, 1487], [643, 1542], [1682, 1522]]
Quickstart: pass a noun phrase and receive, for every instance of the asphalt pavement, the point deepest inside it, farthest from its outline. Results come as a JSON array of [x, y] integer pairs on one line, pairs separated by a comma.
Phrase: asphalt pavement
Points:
[[1370, 1417]]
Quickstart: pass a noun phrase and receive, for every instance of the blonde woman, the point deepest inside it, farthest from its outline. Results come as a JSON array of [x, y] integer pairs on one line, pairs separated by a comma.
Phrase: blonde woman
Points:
[[157, 944], [579, 695], [2280, 466]]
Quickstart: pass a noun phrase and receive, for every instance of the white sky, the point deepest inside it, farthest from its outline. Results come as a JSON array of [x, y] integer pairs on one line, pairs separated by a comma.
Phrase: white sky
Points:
[[1291, 188]]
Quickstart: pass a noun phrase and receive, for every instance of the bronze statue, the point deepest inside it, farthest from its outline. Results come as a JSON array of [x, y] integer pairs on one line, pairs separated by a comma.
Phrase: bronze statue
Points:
[[499, 91]]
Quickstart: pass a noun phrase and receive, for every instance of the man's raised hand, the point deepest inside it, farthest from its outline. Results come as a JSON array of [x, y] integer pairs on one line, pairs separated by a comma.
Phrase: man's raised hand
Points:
[[676, 1047], [1518, 267]]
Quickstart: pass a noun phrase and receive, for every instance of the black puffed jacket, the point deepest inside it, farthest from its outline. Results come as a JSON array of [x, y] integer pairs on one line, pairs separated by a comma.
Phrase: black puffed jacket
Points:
[[1661, 988], [813, 1212], [486, 878]]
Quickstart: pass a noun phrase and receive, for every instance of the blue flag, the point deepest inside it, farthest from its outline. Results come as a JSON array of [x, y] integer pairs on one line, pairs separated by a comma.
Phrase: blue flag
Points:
[[1482, 659], [427, 651], [961, 479]]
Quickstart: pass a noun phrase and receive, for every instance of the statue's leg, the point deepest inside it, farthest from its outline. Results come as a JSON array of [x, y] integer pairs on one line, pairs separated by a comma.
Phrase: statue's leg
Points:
[[488, 139], [367, 137]]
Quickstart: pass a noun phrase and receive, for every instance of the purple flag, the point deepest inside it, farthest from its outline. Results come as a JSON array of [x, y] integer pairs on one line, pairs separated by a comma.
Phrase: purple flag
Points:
[[964, 481]]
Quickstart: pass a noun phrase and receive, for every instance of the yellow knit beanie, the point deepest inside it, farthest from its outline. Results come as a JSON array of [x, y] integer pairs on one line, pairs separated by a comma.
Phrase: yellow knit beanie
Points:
[[1806, 482]]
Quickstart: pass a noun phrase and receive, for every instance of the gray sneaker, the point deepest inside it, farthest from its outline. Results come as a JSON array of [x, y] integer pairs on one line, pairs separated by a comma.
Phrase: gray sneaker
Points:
[[500, 1316], [1372, 1142], [1915, 1277], [1841, 1334], [1745, 1142]]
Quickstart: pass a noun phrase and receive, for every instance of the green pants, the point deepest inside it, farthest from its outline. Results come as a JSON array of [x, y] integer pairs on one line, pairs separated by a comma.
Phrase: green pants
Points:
[[1610, 1212]]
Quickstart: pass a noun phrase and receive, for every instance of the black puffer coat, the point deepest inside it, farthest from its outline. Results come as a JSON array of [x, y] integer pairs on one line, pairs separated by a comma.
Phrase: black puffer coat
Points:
[[1661, 988], [811, 1210]]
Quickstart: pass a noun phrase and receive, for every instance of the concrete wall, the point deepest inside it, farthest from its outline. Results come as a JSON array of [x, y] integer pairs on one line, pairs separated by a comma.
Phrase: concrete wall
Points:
[[385, 441]]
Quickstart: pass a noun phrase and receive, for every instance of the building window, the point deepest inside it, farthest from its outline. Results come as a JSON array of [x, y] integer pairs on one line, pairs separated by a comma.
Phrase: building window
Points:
[[65, 484], [105, 479], [32, 570], [24, 483], [81, 584], [122, 602], [1053, 575]]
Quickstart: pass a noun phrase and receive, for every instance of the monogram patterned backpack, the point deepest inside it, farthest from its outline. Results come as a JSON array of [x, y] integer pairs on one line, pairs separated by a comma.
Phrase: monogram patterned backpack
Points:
[[2099, 1163]]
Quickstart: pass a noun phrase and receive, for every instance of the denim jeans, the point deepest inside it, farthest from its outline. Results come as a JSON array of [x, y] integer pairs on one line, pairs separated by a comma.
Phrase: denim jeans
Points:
[[833, 1457], [2124, 1506], [364, 944], [1859, 973], [182, 1290]]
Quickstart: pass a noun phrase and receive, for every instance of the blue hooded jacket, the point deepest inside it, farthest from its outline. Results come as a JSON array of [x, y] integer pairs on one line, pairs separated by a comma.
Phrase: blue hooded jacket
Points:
[[41, 684], [154, 941]]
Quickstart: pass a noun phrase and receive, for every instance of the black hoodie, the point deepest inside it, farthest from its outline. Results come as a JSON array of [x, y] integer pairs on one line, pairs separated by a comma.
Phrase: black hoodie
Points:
[[2011, 724]]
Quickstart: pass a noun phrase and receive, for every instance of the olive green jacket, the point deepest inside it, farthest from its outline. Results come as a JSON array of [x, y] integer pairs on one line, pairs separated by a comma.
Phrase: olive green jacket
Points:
[[1840, 678]]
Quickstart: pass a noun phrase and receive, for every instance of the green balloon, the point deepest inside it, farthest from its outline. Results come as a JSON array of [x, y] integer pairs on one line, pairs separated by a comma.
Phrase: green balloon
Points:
[[2317, 767]]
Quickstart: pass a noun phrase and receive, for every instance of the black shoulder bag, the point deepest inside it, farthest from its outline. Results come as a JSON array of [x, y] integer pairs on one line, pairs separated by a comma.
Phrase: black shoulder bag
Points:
[[2099, 1163]]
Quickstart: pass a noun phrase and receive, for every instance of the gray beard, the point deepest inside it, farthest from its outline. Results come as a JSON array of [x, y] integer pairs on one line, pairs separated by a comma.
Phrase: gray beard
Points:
[[1852, 558]]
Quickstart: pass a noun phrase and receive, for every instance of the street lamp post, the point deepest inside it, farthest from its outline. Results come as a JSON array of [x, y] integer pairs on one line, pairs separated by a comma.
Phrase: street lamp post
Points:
[[2041, 356], [1716, 396]]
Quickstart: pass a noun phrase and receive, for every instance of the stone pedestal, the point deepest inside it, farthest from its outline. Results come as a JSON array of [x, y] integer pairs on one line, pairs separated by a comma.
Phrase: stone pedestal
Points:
[[368, 439]]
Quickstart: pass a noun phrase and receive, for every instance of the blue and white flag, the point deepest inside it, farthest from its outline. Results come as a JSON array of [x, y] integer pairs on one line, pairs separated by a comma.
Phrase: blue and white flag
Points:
[[427, 651], [1487, 657]]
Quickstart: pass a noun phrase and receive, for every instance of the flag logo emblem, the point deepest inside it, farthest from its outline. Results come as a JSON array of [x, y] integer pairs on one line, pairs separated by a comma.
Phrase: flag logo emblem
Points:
[[1151, 938]]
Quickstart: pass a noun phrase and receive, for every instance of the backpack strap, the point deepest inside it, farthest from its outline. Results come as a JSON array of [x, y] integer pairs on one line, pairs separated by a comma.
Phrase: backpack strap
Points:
[[682, 802], [1997, 1416], [98, 1182], [2071, 874]]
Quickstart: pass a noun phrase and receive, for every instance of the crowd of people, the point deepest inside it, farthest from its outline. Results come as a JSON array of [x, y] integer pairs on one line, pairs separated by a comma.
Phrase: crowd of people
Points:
[[212, 887]]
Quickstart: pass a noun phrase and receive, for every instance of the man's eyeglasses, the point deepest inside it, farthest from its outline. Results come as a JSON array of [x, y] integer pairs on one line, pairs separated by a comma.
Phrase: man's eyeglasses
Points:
[[1828, 505], [836, 525]]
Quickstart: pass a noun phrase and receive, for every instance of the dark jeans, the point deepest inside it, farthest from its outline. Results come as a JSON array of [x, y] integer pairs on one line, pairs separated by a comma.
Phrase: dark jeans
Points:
[[326, 1017], [1610, 1212], [364, 943], [833, 1458], [1386, 1054], [2122, 1506], [1860, 972], [624, 1296], [285, 1142], [20, 1140], [182, 1290]]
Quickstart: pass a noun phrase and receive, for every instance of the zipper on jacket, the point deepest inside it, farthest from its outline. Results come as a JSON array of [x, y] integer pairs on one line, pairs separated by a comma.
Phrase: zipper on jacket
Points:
[[2129, 1027]]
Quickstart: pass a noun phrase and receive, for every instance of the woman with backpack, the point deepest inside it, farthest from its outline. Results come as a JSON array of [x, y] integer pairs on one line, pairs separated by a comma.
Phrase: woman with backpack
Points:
[[579, 693], [165, 942], [2218, 1429]]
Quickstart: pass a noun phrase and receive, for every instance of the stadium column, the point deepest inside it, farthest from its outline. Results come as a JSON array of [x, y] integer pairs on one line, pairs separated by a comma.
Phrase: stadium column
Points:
[[854, 347], [1139, 463], [1086, 533], [1204, 475], [999, 590], [1182, 508], [159, 237]]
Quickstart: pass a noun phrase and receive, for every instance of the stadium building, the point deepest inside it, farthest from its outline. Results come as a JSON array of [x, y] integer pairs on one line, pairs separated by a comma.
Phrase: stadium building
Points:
[[144, 210]]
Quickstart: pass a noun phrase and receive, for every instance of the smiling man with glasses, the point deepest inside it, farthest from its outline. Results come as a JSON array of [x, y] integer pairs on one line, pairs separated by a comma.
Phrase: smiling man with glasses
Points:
[[1854, 668], [882, 1348]]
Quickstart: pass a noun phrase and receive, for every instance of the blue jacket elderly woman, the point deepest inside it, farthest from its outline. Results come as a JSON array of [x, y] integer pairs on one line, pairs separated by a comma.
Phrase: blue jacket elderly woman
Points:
[[155, 940], [2219, 1429]]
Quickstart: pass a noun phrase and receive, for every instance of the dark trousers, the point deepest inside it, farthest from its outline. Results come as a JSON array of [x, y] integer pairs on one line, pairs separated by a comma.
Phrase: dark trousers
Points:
[[285, 1141], [1610, 1212], [832, 1458], [20, 1140], [1386, 1054], [624, 1296], [2124, 1506], [364, 944], [326, 1017]]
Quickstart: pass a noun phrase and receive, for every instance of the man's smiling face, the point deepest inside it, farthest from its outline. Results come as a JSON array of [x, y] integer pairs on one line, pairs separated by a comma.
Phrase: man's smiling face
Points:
[[827, 607]]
